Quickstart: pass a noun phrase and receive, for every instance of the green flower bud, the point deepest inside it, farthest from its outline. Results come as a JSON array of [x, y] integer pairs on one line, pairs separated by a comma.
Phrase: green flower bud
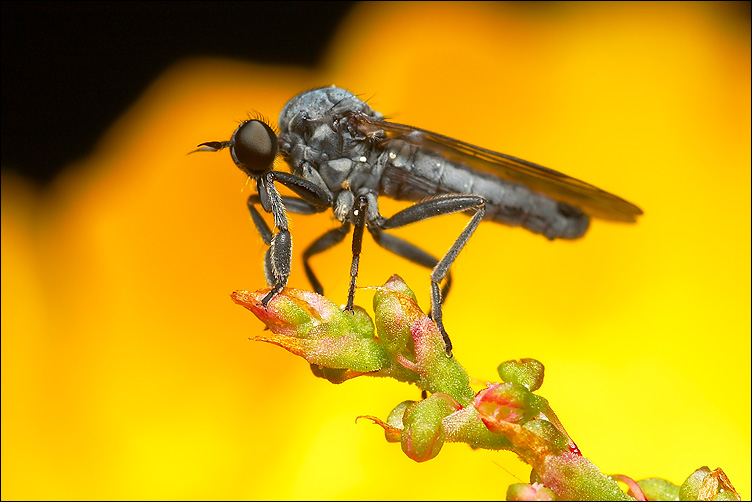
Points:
[[506, 402], [526, 372], [704, 484], [659, 489], [423, 434], [690, 489], [310, 326]]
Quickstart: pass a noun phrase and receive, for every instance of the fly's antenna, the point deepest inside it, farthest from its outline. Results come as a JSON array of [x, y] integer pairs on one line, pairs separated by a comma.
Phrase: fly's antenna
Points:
[[210, 146]]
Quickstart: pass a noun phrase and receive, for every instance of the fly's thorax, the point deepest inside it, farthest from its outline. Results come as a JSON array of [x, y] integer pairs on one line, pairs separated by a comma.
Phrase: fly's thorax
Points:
[[316, 135], [317, 120], [356, 174], [336, 172], [324, 104], [311, 105], [313, 142]]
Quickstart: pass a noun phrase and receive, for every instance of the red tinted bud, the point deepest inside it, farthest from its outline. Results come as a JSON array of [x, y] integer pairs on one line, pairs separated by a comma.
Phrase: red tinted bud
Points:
[[503, 402]]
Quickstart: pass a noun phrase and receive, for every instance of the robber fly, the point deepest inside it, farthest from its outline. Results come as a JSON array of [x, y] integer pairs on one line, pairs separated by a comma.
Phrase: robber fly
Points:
[[343, 156]]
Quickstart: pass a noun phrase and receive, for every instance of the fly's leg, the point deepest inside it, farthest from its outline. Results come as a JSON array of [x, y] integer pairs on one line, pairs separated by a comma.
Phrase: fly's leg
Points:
[[319, 198], [278, 258], [445, 204], [326, 241], [412, 253], [359, 211], [300, 206], [266, 235], [294, 205], [314, 200]]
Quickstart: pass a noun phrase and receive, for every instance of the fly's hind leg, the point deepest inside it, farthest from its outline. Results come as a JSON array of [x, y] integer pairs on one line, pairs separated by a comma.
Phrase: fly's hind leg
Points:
[[438, 206], [412, 253]]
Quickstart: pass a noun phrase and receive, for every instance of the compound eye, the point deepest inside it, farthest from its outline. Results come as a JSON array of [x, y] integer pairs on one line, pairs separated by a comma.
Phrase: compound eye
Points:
[[254, 147]]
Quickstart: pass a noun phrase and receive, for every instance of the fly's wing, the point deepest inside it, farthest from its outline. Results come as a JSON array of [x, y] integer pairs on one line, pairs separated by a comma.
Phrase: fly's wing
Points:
[[590, 199]]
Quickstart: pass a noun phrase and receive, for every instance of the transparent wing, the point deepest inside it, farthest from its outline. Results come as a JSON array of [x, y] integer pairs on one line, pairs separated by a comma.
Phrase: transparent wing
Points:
[[590, 199]]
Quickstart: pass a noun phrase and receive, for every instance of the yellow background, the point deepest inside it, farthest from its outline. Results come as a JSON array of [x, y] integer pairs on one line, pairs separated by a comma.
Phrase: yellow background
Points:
[[125, 370]]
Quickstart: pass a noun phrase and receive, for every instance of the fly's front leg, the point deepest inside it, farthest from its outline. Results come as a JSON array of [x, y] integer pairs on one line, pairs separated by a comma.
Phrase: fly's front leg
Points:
[[445, 204], [318, 196], [314, 198], [266, 235], [280, 253], [278, 258], [292, 204]]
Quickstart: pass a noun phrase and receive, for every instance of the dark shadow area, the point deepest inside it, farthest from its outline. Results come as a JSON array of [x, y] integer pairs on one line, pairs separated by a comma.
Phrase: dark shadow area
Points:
[[69, 69]]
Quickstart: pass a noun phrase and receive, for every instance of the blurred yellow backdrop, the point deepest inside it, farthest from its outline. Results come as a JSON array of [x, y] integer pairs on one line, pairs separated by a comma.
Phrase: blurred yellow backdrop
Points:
[[125, 370]]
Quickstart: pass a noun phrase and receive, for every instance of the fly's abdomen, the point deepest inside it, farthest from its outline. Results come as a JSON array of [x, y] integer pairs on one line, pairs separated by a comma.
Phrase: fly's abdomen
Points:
[[411, 173]]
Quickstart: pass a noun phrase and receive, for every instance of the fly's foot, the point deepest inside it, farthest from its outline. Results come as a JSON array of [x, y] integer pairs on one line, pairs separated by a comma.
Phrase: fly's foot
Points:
[[271, 294], [435, 315], [265, 300], [444, 335], [447, 343]]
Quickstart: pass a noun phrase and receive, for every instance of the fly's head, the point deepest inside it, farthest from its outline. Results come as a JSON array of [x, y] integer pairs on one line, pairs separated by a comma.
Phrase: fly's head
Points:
[[253, 147]]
